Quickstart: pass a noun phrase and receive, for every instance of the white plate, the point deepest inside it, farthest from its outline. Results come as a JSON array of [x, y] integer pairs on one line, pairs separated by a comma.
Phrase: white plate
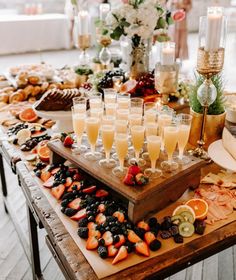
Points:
[[220, 156], [63, 119]]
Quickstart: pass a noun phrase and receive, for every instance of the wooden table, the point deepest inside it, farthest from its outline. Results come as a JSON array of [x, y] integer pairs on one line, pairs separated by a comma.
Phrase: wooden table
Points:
[[67, 254]]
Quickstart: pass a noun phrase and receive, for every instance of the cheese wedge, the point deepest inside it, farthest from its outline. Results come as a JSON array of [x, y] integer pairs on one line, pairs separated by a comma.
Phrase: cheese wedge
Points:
[[229, 142]]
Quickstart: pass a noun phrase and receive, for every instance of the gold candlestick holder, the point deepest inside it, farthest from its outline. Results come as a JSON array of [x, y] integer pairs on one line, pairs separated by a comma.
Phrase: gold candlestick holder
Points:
[[209, 63], [104, 54], [166, 80], [84, 43]]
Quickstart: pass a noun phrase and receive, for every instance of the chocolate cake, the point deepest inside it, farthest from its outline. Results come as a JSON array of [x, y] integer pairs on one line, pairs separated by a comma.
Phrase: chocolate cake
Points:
[[57, 100]]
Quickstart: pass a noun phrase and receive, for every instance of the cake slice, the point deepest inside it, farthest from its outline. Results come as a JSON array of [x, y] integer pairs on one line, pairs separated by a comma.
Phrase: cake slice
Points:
[[57, 100]]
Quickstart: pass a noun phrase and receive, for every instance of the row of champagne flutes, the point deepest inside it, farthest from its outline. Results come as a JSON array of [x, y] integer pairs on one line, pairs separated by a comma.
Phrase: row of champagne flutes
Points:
[[126, 126]]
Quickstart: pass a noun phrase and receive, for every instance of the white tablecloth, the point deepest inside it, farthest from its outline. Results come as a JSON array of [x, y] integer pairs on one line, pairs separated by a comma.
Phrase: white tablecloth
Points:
[[22, 33]]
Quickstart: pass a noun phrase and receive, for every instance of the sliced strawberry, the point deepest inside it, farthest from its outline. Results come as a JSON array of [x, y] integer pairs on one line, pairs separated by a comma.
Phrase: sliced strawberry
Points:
[[68, 142], [55, 170], [78, 184], [101, 208], [49, 182], [121, 242], [79, 215], [120, 216], [143, 225], [68, 182], [129, 180], [95, 233], [133, 237], [112, 250], [149, 237], [45, 175], [91, 226], [107, 236], [75, 204], [134, 169], [101, 193], [100, 219], [58, 191], [90, 189], [77, 177], [121, 255], [92, 243], [142, 248]]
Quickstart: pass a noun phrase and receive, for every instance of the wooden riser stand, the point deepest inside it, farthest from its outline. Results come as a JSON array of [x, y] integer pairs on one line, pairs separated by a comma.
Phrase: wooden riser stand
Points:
[[140, 200]]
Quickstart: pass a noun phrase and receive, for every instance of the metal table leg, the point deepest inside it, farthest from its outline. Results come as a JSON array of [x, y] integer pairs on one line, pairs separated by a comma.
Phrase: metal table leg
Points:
[[3, 180], [34, 246]]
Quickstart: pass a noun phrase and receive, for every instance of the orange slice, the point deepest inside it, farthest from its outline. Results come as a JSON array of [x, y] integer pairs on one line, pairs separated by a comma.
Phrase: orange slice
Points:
[[199, 206], [44, 153]]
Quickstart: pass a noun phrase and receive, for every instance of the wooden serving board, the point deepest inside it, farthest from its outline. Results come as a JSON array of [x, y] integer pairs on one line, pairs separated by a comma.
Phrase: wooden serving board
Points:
[[140, 200]]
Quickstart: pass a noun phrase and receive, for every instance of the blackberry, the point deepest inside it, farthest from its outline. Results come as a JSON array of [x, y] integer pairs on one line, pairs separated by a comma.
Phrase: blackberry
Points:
[[155, 245], [102, 251], [70, 212], [63, 181], [115, 230], [64, 202], [199, 227], [129, 246], [68, 196], [83, 232], [178, 238], [152, 222], [101, 242], [166, 224], [128, 225], [90, 200], [15, 141], [63, 209], [174, 230], [154, 231], [56, 183], [91, 218], [38, 173], [165, 234], [116, 239], [83, 222], [111, 219], [140, 232]]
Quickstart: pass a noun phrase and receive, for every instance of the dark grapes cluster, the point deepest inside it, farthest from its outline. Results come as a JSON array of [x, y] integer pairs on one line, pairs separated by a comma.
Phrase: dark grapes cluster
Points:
[[146, 85], [106, 81]]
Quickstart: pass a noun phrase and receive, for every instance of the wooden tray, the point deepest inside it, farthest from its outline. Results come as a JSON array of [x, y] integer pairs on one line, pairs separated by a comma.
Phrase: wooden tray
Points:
[[141, 200]]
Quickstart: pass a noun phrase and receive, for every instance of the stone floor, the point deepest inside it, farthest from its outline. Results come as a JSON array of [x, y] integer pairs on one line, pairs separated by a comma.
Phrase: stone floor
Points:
[[13, 262]]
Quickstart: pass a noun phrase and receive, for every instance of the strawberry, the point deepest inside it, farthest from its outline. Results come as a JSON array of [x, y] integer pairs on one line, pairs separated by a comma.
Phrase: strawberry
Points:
[[95, 233], [134, 169], [141, 179], [149, 237], [75, 204], [58, 191], [49, 182], [101, 193], [133, 237], [101, 208], [129, 180], [78, 184], [92, 243], [68, 182], [68, 142], [91, 226], [120, 216], [143, 225], [55, 170], [79, 215], [45, 175], [100, 219], [121, 255], [121, 241], [107, 236], [142, 248], [90, 189], [112, 250], [77, 177], [73, 170]]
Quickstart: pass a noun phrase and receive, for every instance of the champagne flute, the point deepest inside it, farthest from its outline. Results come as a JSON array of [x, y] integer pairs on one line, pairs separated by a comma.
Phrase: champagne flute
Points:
[[170, 142], [136, 105], [135, 119], [150, 112], [95, 100], [123, 101], [110, 95], [153, 147], [111, 109], [122, 114], [121, 127], [92, 129], [184, 121], [151, 129], [79, 127], [121, 143], [80, 104], [108, 132], [137, 135], [164, 119]]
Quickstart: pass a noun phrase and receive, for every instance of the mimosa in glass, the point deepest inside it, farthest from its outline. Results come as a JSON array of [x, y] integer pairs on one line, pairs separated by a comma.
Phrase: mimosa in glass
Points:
[[137, 135], [121, 143]]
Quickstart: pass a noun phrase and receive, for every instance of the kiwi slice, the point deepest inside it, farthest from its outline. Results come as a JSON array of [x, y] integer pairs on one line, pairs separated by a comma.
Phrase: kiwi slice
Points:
[[177, 219], [186, 229], [188, 217]]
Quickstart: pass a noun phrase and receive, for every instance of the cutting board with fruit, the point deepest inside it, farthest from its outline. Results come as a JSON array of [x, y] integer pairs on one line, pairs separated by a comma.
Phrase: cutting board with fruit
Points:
[[141, 200]]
